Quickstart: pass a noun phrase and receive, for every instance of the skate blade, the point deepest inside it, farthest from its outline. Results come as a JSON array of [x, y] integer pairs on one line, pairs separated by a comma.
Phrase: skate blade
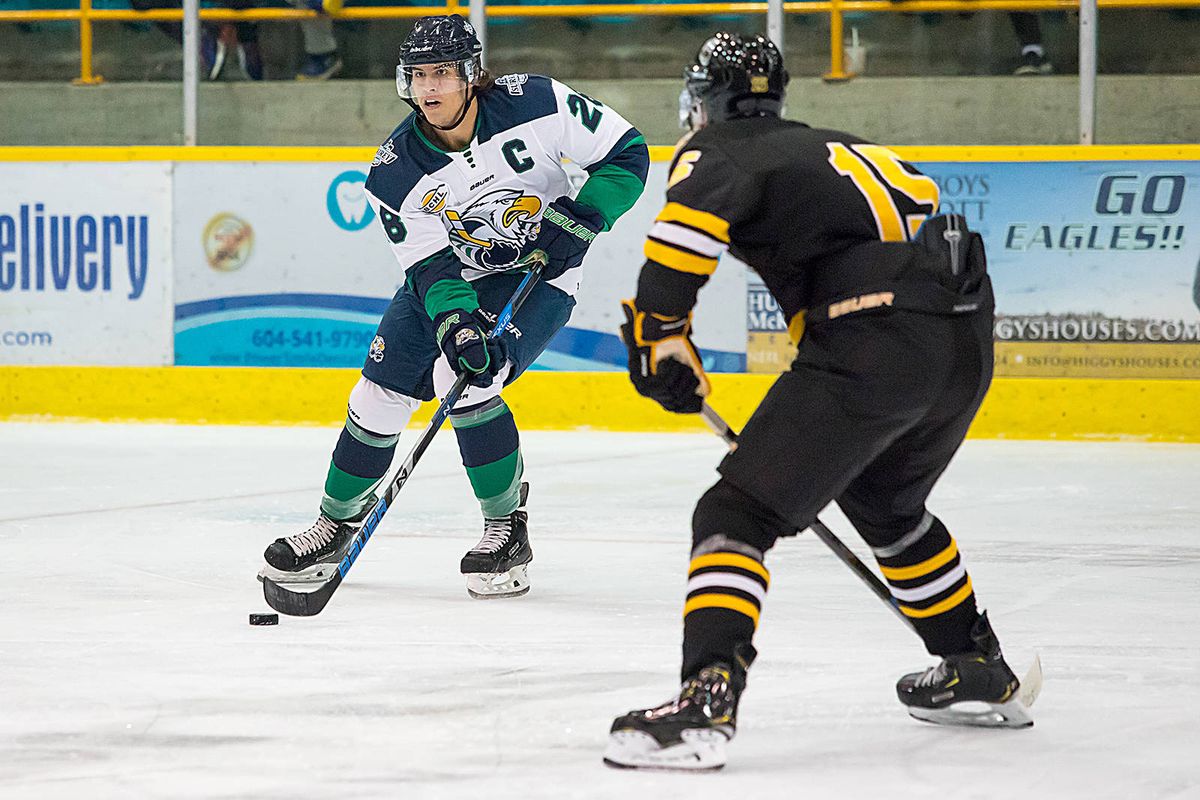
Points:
[[317, 573], [1014, 713], [977, 715], [702, 750], [494, 585]]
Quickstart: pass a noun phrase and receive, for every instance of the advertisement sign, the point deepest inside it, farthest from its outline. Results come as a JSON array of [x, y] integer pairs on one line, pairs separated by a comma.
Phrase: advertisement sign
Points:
[[277, 264], [1094, 265], [769, 349], [285, 264], [85, 272]]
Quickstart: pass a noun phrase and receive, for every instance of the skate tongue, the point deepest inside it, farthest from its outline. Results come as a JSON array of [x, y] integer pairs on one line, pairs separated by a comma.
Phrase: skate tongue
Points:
[[495, 535], [933, 674], [314, 538]]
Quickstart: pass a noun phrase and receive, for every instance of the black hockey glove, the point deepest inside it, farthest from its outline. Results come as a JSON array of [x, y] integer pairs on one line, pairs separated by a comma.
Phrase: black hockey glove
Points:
[[462, 335], [663, 362], [568, 230]]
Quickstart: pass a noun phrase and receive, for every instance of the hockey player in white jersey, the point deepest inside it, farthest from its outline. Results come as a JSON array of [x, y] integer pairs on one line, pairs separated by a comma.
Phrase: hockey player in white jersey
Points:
[[469, 185]]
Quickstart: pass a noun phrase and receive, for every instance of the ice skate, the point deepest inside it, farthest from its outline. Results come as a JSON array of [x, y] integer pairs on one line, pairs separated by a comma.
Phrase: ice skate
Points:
[[687, 733], [975, 689], [498, 565], [311, 556]]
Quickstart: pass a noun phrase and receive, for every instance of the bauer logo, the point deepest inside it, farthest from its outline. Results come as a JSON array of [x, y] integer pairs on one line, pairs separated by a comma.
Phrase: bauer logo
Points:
[[228, 242], [363, 536], [41, 251], [347, 203]]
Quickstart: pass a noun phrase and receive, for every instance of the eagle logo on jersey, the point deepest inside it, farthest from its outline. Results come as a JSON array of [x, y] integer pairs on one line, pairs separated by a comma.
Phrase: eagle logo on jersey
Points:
[[492, 231]]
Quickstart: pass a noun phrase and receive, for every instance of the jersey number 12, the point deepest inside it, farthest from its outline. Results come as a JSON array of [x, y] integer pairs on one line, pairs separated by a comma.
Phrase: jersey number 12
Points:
[[877, 186]]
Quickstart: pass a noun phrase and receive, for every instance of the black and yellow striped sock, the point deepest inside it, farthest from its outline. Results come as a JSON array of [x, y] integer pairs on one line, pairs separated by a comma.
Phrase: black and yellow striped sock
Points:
[[726, 587], [929, 581]]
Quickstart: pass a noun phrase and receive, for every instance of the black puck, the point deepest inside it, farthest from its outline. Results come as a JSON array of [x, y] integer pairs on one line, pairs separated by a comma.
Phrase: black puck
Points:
[[264, 619]]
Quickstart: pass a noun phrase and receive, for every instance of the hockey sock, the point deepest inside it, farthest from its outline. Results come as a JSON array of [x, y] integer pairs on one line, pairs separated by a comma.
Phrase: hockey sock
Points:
[[491, 452], [930, 584], [727, 584], [360, 460]]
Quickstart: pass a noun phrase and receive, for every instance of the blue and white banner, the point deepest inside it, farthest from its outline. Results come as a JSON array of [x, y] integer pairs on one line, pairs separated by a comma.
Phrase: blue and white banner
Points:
[[85, 274], [285, 264], [1094, 266], [275, 265]]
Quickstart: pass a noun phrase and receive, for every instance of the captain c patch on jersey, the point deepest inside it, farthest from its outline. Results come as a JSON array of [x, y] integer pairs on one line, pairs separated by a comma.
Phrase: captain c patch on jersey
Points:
[[490, 232]]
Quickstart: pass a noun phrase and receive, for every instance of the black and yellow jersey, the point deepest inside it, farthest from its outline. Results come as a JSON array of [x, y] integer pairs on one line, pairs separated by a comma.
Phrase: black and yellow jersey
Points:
[[818, 214]]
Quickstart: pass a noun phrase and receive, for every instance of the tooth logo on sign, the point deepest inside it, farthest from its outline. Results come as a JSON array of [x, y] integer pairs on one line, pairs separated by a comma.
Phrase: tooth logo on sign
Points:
[[347, 201]]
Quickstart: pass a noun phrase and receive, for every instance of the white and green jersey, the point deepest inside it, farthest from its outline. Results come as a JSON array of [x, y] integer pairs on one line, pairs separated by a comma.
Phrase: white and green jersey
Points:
[[485, 202]]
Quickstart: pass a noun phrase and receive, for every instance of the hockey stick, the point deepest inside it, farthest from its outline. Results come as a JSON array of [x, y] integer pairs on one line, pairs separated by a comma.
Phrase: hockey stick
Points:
[[309, 603], [844, 553]]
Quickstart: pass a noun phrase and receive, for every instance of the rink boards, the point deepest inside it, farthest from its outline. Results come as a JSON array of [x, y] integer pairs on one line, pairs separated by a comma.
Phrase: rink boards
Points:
[[243, 284], [1015, 408]]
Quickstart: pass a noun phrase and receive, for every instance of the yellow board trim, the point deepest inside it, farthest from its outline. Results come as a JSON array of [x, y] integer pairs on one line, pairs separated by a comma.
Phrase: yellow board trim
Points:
[[178, 153], [1052, 152], [1016, 408], [730, 560], [711, 224], [924, 568], [658, 153], [679, 260], [721, 601], [942, 607]]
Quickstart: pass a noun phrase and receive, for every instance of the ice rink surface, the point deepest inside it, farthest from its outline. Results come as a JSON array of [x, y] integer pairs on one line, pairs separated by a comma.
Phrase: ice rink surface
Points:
[[128, 669]]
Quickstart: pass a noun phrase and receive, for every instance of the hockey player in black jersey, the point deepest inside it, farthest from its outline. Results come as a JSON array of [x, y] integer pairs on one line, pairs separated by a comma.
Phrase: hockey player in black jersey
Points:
[[892, 312]]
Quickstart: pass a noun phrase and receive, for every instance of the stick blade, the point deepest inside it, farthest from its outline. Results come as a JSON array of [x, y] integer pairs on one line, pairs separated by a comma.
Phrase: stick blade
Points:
[[1031, 684], [299, 604]]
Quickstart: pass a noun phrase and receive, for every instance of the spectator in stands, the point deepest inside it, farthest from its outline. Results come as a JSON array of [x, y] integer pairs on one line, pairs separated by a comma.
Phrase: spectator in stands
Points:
[[217, 42], [321, 59], [1029, 34]]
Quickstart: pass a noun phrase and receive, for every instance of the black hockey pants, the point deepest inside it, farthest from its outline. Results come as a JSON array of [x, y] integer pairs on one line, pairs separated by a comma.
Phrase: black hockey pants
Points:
[[870, 414]]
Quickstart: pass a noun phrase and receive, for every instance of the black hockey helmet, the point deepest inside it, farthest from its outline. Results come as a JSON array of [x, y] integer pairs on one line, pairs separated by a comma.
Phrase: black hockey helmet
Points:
[[733, 76], [448, 41]]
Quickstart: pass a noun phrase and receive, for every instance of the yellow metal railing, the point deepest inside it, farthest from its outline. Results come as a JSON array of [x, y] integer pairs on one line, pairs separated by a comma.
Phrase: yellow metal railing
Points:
[[85, 15]]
